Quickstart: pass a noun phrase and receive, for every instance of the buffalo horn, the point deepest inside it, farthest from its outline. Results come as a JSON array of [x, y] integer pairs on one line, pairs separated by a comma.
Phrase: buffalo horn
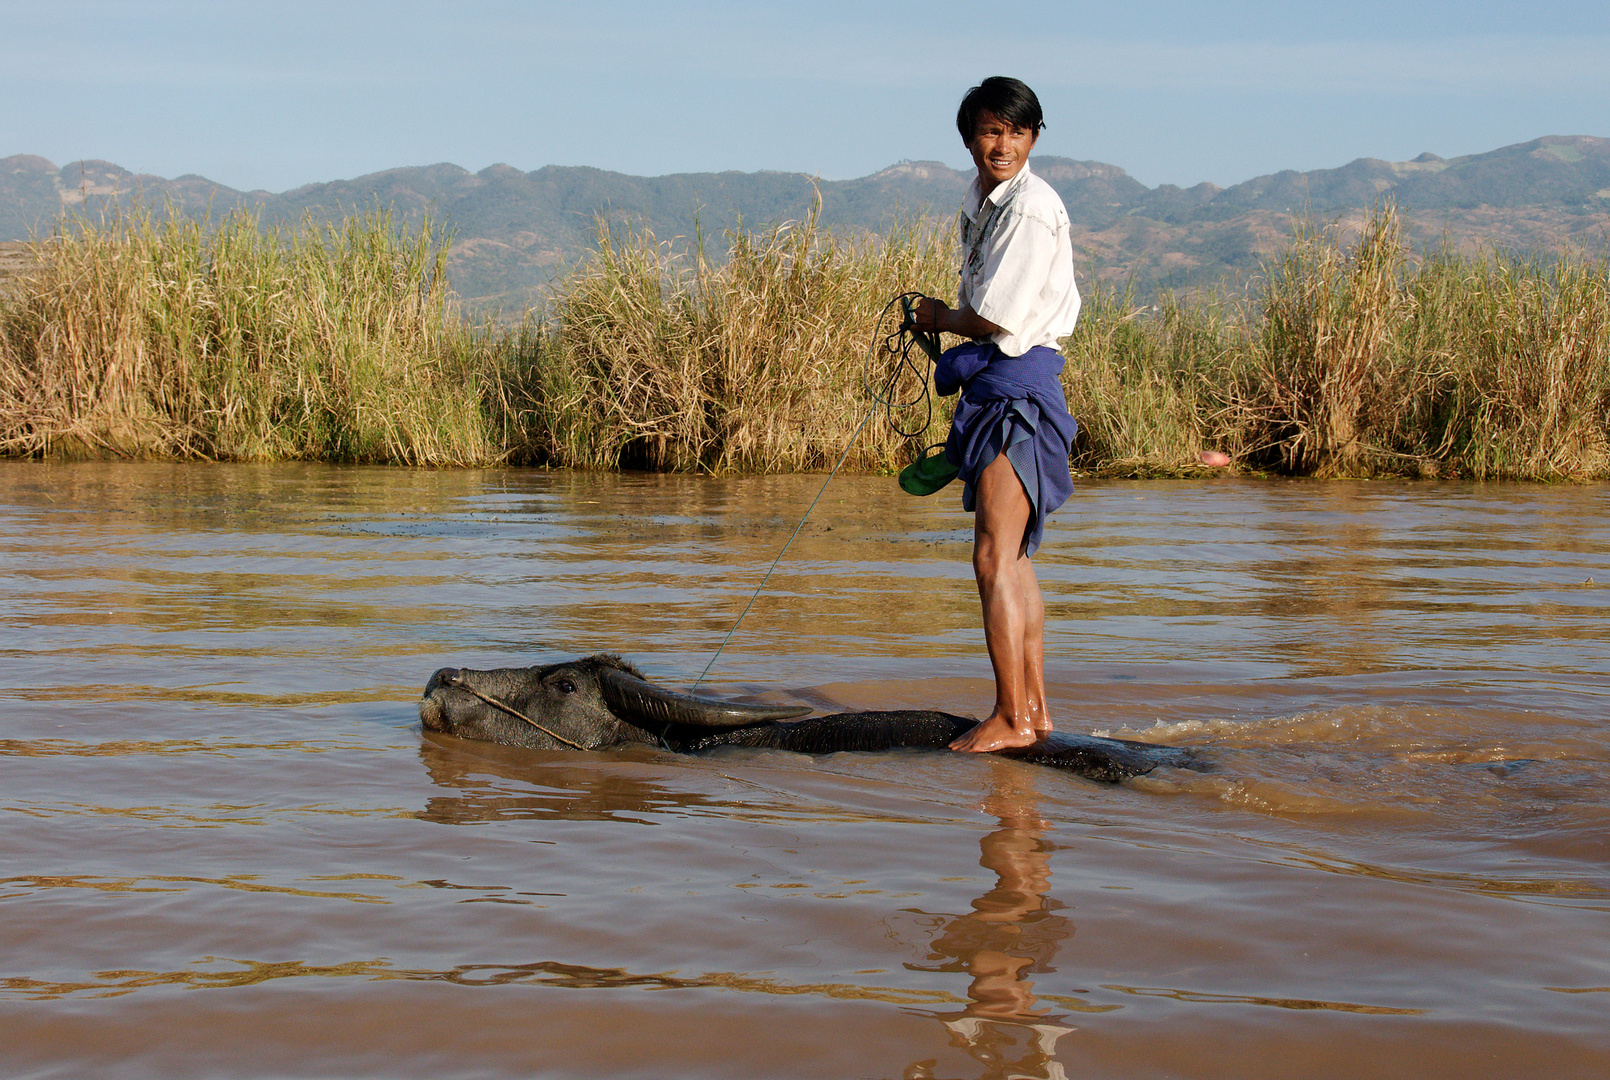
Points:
[[641, 701]]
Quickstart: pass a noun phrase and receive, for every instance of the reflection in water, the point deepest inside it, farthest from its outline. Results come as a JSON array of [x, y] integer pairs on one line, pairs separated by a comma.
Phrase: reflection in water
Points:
[[1012, 932], [497, 783]]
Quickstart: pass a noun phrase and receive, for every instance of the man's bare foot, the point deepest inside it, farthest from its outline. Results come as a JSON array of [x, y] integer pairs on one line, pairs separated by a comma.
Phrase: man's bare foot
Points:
[[1042, 730], [995, 734]]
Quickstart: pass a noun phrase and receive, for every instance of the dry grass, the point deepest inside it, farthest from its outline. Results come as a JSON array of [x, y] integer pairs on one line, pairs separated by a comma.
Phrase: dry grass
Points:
[[1366, 362], [1516, 356], [154, 336], [1145, 382], [1322, 375], [661, 358], [148, 336]]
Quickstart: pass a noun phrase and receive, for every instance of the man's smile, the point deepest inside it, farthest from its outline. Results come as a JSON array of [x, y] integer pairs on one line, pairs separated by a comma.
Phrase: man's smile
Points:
[[1000, 149]]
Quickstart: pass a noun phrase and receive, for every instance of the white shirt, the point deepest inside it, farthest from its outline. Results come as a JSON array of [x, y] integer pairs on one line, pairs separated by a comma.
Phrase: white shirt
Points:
[[1017, 262]]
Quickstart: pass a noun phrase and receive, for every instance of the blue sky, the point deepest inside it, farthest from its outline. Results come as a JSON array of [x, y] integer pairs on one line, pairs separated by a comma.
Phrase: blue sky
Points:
[[272, 95]]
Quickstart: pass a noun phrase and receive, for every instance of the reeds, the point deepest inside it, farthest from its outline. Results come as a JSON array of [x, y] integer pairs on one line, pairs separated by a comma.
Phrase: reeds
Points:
[[1352, 357], [1149, 383], [157, 336], [1321, 373], [154, 336], [656, 356], [1365, 361], [1515, 356]]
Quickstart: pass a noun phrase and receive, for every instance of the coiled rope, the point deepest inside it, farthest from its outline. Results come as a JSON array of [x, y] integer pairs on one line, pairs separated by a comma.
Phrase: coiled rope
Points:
[[898, 344]]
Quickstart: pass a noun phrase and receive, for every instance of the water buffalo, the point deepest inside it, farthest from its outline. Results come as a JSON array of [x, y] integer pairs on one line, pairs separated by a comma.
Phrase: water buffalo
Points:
[[602, 701]]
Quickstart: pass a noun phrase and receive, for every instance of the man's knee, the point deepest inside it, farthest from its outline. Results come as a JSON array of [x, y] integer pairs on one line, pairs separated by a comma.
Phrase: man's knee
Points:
[[993, 561]]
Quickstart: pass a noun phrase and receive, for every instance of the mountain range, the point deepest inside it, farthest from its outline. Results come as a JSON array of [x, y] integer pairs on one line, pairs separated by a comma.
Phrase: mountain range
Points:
[[513, 230]]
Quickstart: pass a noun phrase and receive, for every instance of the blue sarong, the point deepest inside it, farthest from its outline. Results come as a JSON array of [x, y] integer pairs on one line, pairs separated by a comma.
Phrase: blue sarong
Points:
[[1015, 405]]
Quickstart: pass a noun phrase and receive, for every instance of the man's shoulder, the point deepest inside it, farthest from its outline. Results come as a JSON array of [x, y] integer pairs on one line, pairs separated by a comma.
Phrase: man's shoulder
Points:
[[1037, 198]]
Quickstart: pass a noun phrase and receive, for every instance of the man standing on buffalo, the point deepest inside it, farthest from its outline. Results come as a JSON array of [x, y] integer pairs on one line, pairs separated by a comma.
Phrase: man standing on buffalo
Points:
[[1012, 433]]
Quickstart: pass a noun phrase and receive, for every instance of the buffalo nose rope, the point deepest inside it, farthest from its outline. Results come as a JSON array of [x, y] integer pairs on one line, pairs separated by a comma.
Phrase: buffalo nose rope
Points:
[[896, 347]]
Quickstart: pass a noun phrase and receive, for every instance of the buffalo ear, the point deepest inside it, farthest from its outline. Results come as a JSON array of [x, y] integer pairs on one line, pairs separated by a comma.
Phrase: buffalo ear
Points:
[[643, 701]]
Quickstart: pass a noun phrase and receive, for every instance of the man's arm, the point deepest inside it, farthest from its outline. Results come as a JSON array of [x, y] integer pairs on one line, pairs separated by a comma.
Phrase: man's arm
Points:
[[930, 315]]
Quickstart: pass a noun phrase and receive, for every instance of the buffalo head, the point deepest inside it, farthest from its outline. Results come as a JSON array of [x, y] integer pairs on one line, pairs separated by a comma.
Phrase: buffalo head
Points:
[[589, 704]]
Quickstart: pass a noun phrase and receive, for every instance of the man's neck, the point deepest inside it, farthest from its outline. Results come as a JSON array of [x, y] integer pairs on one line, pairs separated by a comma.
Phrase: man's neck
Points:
[[988, 185]]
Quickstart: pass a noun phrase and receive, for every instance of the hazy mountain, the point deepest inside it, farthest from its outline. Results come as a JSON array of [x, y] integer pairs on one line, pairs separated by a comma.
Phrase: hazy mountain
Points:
[[513, 228]]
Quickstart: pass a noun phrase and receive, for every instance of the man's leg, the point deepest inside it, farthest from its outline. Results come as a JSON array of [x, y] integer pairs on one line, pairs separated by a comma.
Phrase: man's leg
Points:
[[1034, 646], [1001, 516]]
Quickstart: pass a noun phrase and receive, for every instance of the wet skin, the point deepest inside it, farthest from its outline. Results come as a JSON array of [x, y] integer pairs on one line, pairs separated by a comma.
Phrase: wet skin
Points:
[[1014, 615]]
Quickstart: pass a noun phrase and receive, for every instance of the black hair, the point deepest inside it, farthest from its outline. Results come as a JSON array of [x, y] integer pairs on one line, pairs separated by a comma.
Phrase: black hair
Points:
[[1008, 98]]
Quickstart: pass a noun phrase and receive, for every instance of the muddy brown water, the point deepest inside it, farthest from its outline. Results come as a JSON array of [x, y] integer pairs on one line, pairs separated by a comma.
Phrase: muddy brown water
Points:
[[228, 849]]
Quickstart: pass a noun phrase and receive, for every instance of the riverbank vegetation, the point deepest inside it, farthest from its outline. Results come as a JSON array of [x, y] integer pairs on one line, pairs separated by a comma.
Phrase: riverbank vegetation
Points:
[[152, 336]]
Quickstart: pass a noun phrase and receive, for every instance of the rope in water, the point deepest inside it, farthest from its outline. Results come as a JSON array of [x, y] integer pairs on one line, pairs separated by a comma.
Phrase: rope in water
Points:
[[899, 344]]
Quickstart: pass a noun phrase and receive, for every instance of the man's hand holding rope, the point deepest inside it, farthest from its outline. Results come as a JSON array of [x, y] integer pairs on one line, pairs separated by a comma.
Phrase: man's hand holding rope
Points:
[[929, 315]]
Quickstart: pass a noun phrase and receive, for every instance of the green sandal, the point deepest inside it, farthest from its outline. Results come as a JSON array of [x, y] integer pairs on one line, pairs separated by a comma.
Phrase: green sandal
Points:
[[928, 473]]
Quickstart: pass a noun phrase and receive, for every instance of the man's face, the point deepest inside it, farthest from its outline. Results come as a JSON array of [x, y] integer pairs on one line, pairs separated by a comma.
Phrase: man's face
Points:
[[1000, 150]]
